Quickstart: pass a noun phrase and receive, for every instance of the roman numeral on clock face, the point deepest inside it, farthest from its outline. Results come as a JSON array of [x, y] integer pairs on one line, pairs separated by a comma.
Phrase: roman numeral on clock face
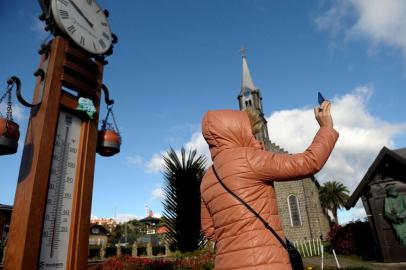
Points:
[[82, 40], [104, 24], [106, 36], [89, 2], [102, 44], [71, 29], [64, 14], [64, 2]]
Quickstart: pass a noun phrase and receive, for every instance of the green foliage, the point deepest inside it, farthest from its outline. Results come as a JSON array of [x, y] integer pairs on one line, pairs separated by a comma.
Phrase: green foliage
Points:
[[121, 234], [182, 201], [158, 250], [141, 251], [94, 251], [126, 250], [333, 196], [111, 251]]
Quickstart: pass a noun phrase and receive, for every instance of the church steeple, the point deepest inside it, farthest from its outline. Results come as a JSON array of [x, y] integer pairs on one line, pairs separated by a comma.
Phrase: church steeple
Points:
[[246, 82], [250, 96]]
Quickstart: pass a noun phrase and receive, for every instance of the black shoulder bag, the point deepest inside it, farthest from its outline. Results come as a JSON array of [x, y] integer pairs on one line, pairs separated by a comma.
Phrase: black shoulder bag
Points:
[[294, 255]]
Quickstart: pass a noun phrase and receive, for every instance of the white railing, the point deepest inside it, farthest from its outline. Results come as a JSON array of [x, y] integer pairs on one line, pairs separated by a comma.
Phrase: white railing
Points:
[[308, 248]]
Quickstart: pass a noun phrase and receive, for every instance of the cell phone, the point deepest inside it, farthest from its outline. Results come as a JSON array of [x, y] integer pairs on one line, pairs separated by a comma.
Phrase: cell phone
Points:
[[320, 98]]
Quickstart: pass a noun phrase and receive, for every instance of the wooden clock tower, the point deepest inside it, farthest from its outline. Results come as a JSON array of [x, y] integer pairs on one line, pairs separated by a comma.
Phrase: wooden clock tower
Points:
[[50, 221]]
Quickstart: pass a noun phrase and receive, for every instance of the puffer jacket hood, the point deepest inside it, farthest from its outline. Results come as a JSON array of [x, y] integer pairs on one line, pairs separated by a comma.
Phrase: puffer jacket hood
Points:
[[225, 129], [242, 241]]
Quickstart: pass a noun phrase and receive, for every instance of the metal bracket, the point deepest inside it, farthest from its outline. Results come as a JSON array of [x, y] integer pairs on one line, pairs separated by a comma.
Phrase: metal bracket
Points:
[[17, 82], [107, 95]]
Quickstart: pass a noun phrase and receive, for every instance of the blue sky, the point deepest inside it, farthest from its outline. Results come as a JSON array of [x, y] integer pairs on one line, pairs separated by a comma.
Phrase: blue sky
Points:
[[177, 59]]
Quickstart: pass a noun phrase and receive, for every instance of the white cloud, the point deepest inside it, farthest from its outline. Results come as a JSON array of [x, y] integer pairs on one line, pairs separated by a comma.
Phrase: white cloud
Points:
[[361, 136], [158, 193], [156, 164], [356, 213], [135, 160], [377, 21]]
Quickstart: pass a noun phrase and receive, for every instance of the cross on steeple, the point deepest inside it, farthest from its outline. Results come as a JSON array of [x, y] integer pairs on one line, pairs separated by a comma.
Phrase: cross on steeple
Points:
[[243, 51]]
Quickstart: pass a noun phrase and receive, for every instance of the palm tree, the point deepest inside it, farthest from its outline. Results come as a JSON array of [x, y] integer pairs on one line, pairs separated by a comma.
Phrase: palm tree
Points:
[[333, 196], [182, 199]]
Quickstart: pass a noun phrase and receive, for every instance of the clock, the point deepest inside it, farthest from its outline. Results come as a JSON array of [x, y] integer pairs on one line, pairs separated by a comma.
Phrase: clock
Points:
[[84, 22]]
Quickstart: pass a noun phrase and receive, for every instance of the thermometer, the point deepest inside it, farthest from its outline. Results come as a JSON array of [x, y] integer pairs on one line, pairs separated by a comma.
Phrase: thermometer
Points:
[[58, 209]]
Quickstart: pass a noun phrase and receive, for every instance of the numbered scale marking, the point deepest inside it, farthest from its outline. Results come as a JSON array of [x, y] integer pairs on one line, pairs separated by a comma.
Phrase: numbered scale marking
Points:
[[56, 228]]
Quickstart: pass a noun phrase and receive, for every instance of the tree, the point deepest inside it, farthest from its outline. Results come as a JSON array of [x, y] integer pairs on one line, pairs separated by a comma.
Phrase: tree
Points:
[[333, 196], [182, 199]]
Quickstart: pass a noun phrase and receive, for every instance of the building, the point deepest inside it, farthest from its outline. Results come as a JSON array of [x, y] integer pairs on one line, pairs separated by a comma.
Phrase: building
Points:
[[298, 201], [107, 223], [98, 235], [5, 217], [388, 169]]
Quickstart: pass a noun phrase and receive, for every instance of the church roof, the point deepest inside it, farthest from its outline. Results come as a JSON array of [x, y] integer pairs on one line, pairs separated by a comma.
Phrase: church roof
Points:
[[246, 82], [398, 156]]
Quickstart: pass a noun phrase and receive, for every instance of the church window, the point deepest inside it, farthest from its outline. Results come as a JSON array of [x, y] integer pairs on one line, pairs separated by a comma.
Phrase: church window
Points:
[[246, 103], [294, 211], [250, 103]]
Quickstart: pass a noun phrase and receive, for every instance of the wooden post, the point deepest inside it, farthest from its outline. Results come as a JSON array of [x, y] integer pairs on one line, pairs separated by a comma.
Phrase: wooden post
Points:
[[24, 243]]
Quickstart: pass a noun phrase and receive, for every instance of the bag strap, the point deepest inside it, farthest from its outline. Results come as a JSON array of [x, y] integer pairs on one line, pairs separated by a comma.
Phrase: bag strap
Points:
[[266, 224]]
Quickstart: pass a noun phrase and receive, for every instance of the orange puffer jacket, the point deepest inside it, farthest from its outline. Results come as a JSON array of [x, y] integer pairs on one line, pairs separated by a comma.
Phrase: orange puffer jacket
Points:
[[242, 241]]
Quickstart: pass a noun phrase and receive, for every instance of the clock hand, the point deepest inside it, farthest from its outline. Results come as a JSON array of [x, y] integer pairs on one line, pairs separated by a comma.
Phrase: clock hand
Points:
[[84, 28], [81, 13]]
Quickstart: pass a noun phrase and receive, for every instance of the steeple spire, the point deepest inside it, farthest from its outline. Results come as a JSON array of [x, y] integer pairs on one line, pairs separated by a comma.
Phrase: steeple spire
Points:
[[246, 82], [250, 96]]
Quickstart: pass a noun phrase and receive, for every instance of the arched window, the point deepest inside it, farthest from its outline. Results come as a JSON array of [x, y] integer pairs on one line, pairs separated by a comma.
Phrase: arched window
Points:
[[294, 211]]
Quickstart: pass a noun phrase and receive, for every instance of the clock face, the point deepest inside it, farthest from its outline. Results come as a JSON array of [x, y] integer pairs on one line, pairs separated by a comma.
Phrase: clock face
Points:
[[84, 22]]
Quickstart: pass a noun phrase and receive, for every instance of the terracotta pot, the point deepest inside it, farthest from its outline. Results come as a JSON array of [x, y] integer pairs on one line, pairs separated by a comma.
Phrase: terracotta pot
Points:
[[108, 143], [9, 135]]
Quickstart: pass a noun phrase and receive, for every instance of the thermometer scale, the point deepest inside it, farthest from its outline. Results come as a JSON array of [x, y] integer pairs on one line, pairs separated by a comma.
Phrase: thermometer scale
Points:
[[58, 210]]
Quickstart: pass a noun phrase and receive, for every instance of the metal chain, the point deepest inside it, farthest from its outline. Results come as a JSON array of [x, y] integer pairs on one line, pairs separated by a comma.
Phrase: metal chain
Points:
[[9, 104], [9, 109], [115, 123]]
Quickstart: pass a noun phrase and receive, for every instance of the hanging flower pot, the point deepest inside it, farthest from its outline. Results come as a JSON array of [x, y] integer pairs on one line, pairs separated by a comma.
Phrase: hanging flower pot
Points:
[[9, 130], [108, 143], [9, 135], [109, 138]]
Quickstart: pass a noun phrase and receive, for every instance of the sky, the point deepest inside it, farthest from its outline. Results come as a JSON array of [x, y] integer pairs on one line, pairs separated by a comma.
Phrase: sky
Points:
[[177, 59]]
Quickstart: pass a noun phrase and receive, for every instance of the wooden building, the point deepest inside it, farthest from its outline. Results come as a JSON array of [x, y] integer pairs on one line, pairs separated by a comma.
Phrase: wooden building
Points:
[[98, 235], [388, 168], [5, 217]]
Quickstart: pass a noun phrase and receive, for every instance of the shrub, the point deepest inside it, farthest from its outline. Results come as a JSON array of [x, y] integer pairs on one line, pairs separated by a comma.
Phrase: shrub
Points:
[[111, 251], [341, 239], [354, 238], [142, 251], [126, 250], [94, 252], [198, 260], [158, 250]]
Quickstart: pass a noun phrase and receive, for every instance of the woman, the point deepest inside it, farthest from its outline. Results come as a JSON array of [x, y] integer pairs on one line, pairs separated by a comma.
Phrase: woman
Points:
[[242, 241]]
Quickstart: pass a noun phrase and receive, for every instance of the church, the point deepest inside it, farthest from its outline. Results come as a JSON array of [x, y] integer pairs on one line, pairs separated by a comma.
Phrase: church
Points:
[[298, 201]]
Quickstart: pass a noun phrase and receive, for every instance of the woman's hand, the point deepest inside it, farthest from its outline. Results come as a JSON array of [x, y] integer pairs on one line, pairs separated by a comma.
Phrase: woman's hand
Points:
[[323, 115]]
